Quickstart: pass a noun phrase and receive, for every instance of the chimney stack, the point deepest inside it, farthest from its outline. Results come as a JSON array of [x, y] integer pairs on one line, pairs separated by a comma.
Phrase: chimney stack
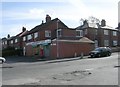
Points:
[[48, 18], [8, 36], [103, 23], [23, 29]]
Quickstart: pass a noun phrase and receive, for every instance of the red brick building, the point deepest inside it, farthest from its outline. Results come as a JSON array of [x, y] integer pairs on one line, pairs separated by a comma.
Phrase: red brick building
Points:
[[103, 35], [54, 39]]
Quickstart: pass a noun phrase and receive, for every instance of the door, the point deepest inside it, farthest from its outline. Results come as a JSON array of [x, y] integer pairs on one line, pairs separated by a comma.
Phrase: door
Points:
[[47, 50]]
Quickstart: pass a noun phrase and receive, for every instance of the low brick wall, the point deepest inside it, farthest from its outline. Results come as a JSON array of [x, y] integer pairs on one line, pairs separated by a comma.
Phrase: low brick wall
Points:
[[115, 49], [68, 49]]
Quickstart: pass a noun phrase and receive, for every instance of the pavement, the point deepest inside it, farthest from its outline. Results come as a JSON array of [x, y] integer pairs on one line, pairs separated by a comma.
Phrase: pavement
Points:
[[24, 59]]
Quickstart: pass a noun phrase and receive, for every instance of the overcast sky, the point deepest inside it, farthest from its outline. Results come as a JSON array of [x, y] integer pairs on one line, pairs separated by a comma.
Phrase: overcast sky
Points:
[[30, 13]]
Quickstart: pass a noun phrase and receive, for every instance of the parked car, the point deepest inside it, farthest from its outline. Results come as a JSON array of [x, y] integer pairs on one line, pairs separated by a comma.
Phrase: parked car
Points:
[[2, 59], [100, 52]]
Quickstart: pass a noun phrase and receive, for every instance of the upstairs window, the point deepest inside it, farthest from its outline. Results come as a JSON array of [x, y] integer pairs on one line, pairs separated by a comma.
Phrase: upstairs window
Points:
[[24, 38], [114, 33], [79, 33], [59, 33], [47, 33], [105, 32], [6, 42], [29, 37], [11, 41], [16, 40], [36, 35]]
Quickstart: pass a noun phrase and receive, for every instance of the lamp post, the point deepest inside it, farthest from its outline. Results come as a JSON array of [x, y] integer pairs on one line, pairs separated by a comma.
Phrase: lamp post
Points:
[[57, 40]]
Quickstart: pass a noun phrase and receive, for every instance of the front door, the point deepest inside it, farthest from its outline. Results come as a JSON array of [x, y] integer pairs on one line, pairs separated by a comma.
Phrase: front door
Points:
[[47, 50]]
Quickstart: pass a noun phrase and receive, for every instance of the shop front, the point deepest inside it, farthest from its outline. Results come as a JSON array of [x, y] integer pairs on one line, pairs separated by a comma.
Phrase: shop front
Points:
[[38, 48]]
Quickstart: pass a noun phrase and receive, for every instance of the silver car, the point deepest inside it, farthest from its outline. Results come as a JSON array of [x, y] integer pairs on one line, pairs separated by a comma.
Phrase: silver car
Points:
[[2, 59]]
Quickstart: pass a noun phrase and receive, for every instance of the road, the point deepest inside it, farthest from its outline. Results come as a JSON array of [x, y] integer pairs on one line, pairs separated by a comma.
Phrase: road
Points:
[[88, 71]]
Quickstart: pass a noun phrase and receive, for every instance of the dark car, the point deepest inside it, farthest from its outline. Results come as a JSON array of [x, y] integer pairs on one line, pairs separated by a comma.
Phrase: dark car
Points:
[[100, 52]]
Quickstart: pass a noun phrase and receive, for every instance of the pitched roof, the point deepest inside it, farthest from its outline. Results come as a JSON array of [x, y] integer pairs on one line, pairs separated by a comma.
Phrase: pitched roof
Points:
[[109, 27], [82, 40], [44, 25], [86, 40]]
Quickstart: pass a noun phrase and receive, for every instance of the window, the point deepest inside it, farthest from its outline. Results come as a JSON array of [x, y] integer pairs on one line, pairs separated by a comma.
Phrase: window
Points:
[[115, 43], [24, 38], [6, 42], [16, 40], [114, 33], [47, 33], [36, 35], [79, 33], [59, 33], [29, 37], [105, 32], [96, 43], [86, 31], [106, 42], [11, 41], [3, 43], [96, 31]]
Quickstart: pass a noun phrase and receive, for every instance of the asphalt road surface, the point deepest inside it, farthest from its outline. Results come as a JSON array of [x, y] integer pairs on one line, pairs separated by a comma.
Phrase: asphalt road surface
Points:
[[88, 71]]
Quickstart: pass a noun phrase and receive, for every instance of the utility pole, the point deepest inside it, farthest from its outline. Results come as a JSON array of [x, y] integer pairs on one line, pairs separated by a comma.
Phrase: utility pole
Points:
[[57, 40]]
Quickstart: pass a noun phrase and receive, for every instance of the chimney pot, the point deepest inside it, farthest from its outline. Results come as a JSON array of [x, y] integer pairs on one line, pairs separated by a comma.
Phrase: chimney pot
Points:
[[103, 23], [48, 18], [8, 36], [23, 29]]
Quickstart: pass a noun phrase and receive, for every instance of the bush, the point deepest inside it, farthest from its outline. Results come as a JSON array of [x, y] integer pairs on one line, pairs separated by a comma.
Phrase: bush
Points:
[[11, 51]]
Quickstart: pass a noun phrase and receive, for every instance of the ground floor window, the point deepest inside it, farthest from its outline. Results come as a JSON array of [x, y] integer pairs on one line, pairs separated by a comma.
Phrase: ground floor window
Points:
[[115, 43], [106, 42], [96, 43]]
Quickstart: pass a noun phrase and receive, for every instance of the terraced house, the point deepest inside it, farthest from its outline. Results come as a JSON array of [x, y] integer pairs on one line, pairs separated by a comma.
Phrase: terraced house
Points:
[[101, 34], [54, 39]]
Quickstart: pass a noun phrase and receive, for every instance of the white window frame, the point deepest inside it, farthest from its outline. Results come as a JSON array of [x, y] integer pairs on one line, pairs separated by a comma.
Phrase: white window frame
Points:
[[16, 40], [106, 42], [47, 33], [115, 43], [106, 32], [29, 37], [80, 33], [3, 43], [24, 38], [6, 42], [35, 34], [11, 41], [114, 33], [59, 32]]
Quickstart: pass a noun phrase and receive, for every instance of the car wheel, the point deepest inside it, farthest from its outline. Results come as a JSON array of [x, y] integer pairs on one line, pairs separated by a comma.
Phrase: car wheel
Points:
[[98, 55], [2, 61], [109, 53], [92, 56]]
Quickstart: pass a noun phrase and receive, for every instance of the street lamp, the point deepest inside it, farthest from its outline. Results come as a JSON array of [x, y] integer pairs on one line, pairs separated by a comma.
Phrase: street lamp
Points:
[[57, 40]]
